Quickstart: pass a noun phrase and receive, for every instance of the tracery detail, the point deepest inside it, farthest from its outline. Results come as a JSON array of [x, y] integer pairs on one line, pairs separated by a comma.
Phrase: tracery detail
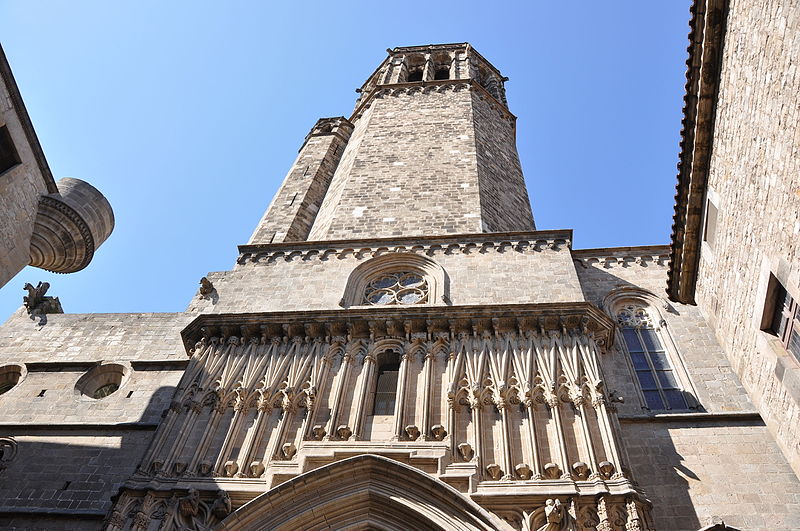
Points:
[[634, 316], [401, 287]]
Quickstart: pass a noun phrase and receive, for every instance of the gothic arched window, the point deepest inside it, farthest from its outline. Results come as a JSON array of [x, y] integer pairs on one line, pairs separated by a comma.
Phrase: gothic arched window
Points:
[[386, 386], [396, 278], [657, 378], [653, 357]]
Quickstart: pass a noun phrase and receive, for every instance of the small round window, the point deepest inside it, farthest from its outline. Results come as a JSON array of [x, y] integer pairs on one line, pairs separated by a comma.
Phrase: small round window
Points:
[[102, 380], [105, 390], [396, 288], [10, 375]]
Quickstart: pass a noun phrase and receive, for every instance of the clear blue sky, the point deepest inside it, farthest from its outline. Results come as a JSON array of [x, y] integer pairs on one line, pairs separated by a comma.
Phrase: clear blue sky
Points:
[[187, 115]]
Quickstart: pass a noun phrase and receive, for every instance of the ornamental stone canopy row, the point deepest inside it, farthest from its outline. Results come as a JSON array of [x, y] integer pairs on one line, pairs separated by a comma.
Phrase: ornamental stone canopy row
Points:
[[404, 322]]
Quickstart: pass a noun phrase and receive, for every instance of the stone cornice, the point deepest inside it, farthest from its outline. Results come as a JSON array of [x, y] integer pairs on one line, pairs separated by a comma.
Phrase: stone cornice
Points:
[[401, 322], [704, 64], [530, 242], [394, 89], [609, 257], [27, 125]]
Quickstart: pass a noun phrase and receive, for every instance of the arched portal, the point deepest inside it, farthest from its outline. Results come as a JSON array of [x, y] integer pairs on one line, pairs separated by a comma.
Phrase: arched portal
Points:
[[359, 493]]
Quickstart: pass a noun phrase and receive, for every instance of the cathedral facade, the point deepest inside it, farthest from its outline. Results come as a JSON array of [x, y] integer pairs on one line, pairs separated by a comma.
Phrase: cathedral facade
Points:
[[398, 346]]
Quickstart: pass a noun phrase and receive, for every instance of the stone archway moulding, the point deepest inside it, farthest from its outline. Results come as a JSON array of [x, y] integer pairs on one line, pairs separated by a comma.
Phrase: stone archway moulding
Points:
[[438, 281], [362, 492]]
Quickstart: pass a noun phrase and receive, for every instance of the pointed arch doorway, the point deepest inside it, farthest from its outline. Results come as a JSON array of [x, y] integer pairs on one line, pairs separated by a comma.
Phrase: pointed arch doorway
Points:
[[365, 492]]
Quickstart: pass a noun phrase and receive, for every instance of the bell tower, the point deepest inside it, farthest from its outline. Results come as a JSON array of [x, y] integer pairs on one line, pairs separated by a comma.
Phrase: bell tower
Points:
[[429, 148]]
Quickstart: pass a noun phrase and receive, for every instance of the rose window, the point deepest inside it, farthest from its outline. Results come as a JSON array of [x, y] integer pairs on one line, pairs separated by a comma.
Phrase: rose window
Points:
[[632, 316], [397, 288]]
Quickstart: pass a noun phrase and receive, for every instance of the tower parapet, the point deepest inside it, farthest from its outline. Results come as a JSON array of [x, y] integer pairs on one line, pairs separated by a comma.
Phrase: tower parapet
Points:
[[435, 63]]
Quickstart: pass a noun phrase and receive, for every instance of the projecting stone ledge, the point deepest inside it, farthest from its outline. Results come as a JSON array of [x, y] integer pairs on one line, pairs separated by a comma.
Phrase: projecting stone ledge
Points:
[[69, 226]]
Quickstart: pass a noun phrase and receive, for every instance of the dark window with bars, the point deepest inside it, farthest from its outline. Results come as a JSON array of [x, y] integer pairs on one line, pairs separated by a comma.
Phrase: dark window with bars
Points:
[[656, 376], [786, 321], [386, 389]]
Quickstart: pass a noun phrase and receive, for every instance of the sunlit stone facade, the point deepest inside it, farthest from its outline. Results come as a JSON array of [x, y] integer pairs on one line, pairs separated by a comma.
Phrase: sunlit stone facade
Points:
[[397, 347]]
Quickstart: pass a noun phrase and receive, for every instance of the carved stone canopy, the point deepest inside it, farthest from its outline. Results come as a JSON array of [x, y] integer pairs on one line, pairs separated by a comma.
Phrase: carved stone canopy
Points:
[[375, 323]]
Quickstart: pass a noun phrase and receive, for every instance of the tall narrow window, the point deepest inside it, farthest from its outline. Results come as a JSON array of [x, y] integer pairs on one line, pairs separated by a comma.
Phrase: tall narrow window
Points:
[[710, 232], [654, 372], [386, 388], [8, 153], [415, 75], [786, 320]]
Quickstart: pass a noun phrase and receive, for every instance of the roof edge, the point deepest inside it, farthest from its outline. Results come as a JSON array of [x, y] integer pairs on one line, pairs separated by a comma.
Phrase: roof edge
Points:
[[27, 126], [704, 64]]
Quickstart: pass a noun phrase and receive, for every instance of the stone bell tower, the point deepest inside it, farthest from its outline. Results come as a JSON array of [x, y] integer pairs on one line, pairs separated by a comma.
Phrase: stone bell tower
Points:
[[396, 347], [430, 147]]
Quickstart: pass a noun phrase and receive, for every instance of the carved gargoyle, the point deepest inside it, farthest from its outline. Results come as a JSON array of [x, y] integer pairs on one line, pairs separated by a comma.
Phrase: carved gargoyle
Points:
[[37, 304], [206, 287]]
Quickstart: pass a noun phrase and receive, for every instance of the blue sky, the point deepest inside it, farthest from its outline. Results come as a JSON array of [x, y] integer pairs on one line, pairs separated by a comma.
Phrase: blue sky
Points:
[[188, 114]]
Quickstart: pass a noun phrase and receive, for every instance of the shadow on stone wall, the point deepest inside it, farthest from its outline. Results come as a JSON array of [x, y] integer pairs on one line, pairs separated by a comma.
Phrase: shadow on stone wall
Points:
[[63, 477], [660, 469]]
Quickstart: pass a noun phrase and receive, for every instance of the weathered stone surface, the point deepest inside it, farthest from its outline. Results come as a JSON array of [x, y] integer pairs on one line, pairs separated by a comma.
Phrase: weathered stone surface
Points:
[[754, 181], [487, 369]]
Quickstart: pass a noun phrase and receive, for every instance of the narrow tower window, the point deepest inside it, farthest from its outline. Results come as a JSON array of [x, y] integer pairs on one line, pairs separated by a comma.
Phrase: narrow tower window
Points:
[[386, 387], [656, 376], [415, 75], [442, 73]]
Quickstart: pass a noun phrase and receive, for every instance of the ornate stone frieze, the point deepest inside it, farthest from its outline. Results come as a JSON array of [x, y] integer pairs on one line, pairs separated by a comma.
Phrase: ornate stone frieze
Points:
[[622, 260], [535, 242]]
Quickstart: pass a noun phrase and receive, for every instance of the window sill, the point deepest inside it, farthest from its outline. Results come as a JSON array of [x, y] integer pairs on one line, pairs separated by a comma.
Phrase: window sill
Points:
[[692, 416]]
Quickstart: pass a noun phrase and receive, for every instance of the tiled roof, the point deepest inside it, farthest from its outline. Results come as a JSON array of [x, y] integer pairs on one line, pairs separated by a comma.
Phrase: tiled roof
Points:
[[706, 39]]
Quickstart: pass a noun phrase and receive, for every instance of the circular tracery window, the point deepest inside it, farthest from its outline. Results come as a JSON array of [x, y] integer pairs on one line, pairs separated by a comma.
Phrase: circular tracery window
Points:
[[105, 390], [401, 287], [102, 381]]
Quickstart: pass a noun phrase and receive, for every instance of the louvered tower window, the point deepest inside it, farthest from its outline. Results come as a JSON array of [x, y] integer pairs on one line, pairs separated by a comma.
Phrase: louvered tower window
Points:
[[386, 388]]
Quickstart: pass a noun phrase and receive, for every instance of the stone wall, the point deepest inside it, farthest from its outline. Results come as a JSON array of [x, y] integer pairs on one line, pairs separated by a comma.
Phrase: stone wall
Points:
[[420, 158], [504, 199], [294, 208], [484, 269], [754, 182], [74, 451], [696, 471], [717, 461], [20, 188], [715, 385]]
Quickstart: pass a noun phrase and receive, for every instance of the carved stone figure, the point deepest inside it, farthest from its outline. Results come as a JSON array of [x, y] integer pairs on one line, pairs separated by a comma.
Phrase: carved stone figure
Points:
[[557, 517], [206, 287], [222, 505], [465, 449], [189, 504], [37, 304]]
